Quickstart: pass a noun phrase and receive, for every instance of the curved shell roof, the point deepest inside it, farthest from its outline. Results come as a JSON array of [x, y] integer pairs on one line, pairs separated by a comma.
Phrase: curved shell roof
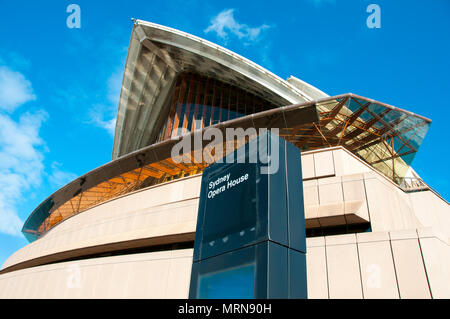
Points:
[[157, 54], [385, 137]]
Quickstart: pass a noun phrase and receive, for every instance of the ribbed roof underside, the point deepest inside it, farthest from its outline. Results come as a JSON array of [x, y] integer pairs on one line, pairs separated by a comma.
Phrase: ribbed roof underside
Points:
[[157, 55]]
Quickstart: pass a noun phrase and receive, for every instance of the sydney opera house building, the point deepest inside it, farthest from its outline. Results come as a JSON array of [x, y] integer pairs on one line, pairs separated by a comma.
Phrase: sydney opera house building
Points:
[[126, 229]]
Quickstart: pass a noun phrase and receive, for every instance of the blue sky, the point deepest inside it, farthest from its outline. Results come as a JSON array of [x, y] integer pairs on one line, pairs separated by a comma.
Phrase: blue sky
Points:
[[59, 87]]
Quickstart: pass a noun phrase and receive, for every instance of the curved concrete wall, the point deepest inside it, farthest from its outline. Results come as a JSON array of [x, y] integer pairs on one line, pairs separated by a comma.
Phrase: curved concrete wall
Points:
[[406, 264], [399, 264], [164, 274], [411, 261], [166, 209], [339, 189]]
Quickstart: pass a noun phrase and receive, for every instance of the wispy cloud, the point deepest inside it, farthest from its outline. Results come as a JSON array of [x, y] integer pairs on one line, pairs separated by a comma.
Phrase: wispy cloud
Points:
[[100, 104], [104, 115], [15, 89], [21, 164], [114, 83], [98, 118], [99, 95], [59, 177], [225, 24], [15, 60], [22, 149]]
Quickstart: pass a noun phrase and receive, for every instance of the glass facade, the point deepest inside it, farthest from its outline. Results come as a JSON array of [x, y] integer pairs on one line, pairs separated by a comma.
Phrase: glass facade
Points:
[[384, 137], [199, 101]]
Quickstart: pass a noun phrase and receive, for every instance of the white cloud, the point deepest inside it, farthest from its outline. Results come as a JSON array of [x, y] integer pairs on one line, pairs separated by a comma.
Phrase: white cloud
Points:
[[21, 148], [99, 95], [15, 89], [58, 177], [97, 117], [114, 86], [10, 223], [15, 60], [21, 165], [224, 23], [109, 125], [104, 115]]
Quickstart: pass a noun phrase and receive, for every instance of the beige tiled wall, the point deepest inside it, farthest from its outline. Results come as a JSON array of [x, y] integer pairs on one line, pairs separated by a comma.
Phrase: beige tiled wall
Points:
[[323, 164], [316, 265], [308, 170], [403, 264], [163, 210], [378, 274], [412, 279], [431, 211], [436, 256], [163, 274], [340, 189], [394, 261]]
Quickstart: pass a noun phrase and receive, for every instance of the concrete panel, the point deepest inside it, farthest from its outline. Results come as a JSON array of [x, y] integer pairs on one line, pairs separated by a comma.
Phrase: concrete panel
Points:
[[431, 211], [331, 209], [344, 278], [389, 207], [311, 199], [316, 266], [308, 170], [148, 213], [330, 190], [411, 276], [90, 280], [164, 274], [57, 281], [355, 197], [377, 268], [403, 234], [346, 164], [436, 255], [192, 188], [179, 278], [158, 272], [323, 164]]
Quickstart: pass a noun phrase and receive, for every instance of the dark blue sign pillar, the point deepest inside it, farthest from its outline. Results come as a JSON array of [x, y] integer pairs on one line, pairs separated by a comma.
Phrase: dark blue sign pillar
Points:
[[250, 239]]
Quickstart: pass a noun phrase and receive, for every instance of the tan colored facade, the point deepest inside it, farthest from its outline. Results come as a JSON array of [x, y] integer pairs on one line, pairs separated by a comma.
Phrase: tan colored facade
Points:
[[403, 264], [406, 254]]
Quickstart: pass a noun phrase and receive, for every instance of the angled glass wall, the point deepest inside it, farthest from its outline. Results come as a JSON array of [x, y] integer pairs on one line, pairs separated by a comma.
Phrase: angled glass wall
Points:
[[384, 137], [200, 101]]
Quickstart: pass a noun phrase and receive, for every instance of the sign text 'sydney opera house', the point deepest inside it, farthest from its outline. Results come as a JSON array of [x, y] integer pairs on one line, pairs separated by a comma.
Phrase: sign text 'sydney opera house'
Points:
[[126, 229]]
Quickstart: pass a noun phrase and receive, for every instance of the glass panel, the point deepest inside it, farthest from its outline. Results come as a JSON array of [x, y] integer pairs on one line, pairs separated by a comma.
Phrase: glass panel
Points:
[[238, 282], [384, 137], [208, 102]]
